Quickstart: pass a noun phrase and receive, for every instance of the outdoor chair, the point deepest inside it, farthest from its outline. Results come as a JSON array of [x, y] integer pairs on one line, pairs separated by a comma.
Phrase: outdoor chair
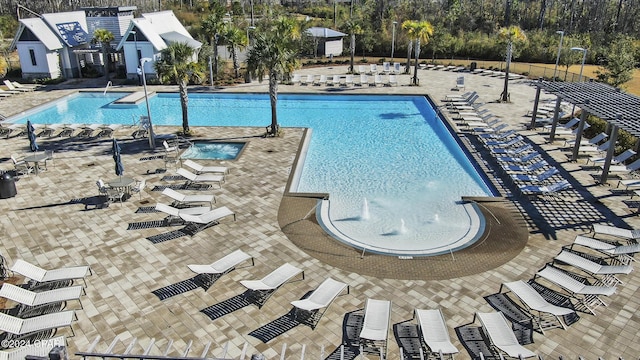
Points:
[[608, 272], [222, 265], [200, 169], [173, 214], [375, 327], [587, 295], [498, 331], [261, 290], [17, 326], [624, 156], [594, 141], [313, 307], [393, 80], [532, 156], [533, 301], [39, 274], [11, 87], [21, 167], [433, 331], [628, 234], [30, 298], [546, 190], [112, 194], [634, 166], [202, 221], [182, 200], [622, 253], [195, 178], [138, 187], [536, 178]]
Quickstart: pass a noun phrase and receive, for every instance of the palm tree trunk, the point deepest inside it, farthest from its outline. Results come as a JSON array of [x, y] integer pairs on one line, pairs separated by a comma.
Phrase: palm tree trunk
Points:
[[184, 102], [105, 61], [236, 66], [415, 69], [352, 46], [505, 91], [215, 57], [273, 97], [407, 69]]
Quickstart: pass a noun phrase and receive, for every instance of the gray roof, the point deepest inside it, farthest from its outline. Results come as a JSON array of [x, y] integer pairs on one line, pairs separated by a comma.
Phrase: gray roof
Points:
[[324, 32], [606, 102]]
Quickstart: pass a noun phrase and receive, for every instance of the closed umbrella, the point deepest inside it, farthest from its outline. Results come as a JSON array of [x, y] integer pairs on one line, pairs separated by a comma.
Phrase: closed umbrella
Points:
[[116, 157], [31, 134]]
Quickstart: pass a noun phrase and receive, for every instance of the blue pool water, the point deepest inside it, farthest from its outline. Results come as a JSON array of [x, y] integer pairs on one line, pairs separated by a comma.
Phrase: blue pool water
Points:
[[394, 172], [213, 150]]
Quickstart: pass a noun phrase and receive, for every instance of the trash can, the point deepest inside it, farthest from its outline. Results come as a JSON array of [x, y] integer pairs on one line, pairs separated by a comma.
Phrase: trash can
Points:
[[7, 186], [473, 66]]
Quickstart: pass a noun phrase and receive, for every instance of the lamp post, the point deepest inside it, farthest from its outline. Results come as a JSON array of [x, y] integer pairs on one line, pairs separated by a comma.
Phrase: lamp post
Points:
[[152, 141], [555, 70], [393, 38], [584, 57]]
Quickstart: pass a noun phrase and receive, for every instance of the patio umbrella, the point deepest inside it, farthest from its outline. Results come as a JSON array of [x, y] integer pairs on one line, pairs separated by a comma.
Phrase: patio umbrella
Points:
[[31, 134], [116, 157]]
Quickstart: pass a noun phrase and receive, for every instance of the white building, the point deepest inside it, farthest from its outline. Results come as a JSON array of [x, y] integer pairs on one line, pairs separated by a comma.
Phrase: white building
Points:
[[59, 44], [328, 42], [147, 36]]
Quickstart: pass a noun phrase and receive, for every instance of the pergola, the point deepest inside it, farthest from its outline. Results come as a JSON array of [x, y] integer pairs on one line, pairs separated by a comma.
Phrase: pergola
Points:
[[619, 109]]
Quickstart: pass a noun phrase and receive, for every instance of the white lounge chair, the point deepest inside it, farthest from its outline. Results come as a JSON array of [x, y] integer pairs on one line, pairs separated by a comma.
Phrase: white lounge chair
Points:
[[393, 80], [621, 252], [520, 160], [526, 168], [592, 268], [533, 301], [616, 231], [39, 349], [548, 190], [594, 141], [323, 80], [364, 80], [375, 328], [373, 69], [11, 87], [434, 332], [183, 199], [30, 298], [588, 295], [362, 69], [39, 274], [296, 79], [222, 265], [386, 67], [308, 80], [210, 218], [263, 289], [634, 166], [512, 151], [537, 178], [319, 299], [348, 80], [173, 214], [624, 156], [199, 178], [17, 326], [501, 336], [205, 169]]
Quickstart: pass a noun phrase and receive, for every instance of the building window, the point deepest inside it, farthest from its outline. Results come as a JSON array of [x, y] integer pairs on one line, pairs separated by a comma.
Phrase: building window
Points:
[[32, 54]]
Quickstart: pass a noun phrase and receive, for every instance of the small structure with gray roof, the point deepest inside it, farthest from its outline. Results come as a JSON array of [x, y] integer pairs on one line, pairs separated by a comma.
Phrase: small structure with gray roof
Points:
[[327, 42]]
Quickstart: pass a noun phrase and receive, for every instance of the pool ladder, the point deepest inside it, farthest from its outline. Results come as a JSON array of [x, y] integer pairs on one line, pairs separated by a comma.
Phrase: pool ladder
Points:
[[107, 87]]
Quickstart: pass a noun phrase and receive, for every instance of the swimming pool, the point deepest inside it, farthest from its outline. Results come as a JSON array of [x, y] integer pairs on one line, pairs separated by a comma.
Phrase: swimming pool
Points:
[[394, 172]]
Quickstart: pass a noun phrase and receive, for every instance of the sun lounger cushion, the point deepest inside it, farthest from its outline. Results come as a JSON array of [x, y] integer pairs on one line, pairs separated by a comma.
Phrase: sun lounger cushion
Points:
[[41, 275], [17, 326], [30, 298], [222, 265], [499, 332], [274, 280], [376, 320], [530, 297], [616, 231], [591, 267], [322, 296], [572, 285], [434, 331], [208, 217]]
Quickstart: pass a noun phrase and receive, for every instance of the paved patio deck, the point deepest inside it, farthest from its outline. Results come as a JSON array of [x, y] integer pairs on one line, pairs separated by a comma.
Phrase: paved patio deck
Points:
[[48, 224]]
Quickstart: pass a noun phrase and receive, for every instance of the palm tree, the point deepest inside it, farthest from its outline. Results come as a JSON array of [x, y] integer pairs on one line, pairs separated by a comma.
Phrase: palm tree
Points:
[[511, 34], [408, 25], [235, 38], [212, 26], [353, 29], [176, 65], [274, 54], [104, 37], [421, 31]]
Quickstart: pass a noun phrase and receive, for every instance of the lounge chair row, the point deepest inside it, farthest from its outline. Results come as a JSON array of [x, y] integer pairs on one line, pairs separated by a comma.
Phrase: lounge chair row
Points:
[[517, 157], [345, 80], [54, 130]]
